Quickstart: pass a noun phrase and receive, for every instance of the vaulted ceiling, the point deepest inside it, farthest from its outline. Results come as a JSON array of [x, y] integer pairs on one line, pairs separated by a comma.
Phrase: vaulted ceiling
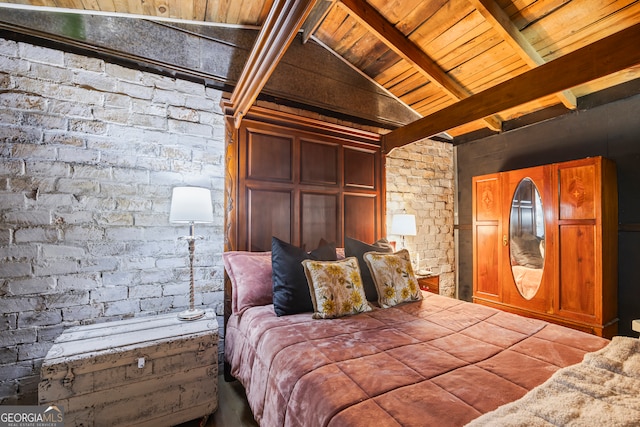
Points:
[[461, 65]]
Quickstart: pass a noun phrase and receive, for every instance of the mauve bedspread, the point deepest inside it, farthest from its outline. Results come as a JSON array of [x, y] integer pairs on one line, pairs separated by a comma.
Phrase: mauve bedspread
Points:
[[435, 362]]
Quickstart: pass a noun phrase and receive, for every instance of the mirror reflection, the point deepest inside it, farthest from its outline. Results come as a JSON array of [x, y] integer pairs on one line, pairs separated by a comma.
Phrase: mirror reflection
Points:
[[526, 232]]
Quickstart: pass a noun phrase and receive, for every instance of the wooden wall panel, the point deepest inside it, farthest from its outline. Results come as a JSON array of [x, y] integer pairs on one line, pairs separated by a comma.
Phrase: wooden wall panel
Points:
[[269, 157], [359, 168], [319, 218], [269, 214], [319, 163], [360, 217]]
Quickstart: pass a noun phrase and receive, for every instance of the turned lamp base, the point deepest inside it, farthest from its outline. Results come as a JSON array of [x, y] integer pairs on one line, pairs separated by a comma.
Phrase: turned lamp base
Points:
[[191, 314]]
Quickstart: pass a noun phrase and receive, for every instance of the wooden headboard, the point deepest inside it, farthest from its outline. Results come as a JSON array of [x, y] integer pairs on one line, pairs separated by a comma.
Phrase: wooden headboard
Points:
[[300, 180]]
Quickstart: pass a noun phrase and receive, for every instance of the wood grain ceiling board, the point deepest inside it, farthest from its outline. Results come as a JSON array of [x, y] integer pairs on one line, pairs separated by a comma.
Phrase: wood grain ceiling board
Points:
[[473, 45]]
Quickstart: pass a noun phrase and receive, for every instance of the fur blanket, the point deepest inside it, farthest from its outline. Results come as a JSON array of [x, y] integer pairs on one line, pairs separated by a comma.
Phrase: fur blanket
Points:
[[602, 390]]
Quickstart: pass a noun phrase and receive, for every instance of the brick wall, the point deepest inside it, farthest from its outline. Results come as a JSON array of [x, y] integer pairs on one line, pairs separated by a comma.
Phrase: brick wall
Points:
[[420, 181], [89, 154]]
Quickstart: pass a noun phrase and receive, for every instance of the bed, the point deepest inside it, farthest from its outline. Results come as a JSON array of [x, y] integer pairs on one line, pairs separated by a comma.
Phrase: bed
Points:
[[429, 360]]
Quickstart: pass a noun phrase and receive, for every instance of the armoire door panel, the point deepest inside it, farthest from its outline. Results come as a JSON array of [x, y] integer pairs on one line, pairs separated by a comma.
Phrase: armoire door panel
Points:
[[319, 219], [486, 259], [577, 192], [488, 201], [578, 269], [269, 214], [525, 276], [269, 157]]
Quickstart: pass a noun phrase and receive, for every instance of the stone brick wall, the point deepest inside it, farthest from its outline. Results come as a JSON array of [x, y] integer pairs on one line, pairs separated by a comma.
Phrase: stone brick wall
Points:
[[89, 153], [420, 181]]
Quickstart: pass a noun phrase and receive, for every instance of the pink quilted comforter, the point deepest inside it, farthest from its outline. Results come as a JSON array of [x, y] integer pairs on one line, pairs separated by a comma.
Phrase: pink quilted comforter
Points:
[[438, 361]]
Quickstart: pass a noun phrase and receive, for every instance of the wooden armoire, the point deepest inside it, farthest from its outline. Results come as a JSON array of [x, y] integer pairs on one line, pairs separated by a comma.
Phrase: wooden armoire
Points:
[[545, 243]]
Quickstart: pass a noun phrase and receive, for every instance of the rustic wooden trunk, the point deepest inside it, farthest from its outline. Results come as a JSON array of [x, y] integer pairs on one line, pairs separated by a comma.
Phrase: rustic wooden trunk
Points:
[[148, 371]]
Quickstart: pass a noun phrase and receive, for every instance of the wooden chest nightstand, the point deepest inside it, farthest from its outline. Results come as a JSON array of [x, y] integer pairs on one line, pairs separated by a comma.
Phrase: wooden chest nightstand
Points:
[[429, 283], [145, 371]]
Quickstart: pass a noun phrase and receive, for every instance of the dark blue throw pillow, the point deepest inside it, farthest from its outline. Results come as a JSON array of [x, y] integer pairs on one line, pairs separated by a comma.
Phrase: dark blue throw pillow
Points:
[[291, 293], [357, 248]]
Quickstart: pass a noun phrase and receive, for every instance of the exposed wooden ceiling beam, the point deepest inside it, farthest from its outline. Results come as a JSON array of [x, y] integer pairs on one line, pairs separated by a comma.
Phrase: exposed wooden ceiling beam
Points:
[[395, 40], [500, 21], [278, 31], [601, 58], [317, 15]]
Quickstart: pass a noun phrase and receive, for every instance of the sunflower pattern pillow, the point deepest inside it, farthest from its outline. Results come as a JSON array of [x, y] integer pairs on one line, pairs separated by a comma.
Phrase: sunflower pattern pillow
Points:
[[393, 276], [336, 288]]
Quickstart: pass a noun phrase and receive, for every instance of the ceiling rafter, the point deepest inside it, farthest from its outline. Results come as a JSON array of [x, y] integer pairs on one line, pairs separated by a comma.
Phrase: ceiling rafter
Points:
[[601, 58], [500, 21], [317, 15], [278, 31], [395, 40]]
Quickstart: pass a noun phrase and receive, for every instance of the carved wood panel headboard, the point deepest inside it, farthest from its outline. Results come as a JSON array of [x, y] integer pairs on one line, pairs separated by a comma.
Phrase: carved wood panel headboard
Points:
[[300, 180]]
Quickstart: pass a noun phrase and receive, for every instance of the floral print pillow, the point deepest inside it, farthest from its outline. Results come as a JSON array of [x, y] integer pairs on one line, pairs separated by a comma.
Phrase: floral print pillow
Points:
[[336, 288], [393, 276]]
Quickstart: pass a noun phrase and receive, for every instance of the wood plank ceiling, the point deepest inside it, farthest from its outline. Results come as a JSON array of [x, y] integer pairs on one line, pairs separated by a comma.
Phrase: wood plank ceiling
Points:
[[463, 65]]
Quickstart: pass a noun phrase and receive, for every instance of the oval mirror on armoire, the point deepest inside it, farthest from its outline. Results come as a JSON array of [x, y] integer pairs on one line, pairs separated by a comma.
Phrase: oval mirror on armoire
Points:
[[526, 231]]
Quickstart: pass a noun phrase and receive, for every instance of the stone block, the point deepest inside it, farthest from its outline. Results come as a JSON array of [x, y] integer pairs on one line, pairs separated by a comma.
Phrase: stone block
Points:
[[15, 269], [8, 321], [114, 218], [20, 303], [123, 307], [79, 282], [28, 319], [181, 127], [78, 233], [19, 336], [34, 167], [120, 278], [145, 291], [147, 121], [87, 126], [169, 97], [109, 294], [79, 95], [50, 73], [135, 90], [117, 100], [122, 73], [8, 355], [124, 233], [82, 312], [31, 286], [68, 299], [101, 264], [80, 62], [50, 333], [157, 305], [21, 218], [33, 151], [40, 54]]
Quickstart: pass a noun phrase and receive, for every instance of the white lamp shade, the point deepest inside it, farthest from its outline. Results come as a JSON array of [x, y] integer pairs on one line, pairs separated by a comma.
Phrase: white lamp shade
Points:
[[403, 225], [191, 204]]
